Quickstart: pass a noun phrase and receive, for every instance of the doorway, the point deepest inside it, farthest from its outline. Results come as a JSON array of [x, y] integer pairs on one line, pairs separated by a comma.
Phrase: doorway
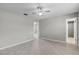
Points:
[[36, 30], [71, 31]]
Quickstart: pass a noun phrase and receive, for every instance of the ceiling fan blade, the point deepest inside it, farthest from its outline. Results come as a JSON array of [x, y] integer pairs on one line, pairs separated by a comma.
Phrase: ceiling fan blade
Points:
[[25, 14], [46, 10]]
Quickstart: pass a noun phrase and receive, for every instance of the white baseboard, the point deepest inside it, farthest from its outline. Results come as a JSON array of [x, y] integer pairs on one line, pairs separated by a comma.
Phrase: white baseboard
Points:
[[53, 40], [12, 45]]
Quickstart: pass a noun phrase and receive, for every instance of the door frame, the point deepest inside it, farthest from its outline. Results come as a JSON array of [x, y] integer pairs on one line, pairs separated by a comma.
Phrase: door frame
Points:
[[75, 29]]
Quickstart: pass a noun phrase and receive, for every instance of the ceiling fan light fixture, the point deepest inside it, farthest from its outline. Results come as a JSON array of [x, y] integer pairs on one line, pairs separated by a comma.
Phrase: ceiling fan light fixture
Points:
[[40, 14], [40, 10]]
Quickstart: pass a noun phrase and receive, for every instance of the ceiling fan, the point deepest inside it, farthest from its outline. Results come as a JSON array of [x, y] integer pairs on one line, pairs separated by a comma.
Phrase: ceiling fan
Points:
[[38, 10]]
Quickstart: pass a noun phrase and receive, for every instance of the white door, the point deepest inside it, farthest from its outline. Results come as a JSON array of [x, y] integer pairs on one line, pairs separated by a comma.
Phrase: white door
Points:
[[71, 31]]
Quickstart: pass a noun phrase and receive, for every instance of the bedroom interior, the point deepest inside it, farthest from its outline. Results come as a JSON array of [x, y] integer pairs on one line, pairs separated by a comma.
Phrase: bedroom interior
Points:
[[39, 28]]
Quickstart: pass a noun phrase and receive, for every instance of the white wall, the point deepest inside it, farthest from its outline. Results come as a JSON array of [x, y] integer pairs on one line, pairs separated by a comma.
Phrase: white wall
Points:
[[55, 28], [14, 28]]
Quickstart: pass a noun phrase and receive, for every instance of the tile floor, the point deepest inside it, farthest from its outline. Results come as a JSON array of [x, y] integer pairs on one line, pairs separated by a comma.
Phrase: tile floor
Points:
[[41, 47]]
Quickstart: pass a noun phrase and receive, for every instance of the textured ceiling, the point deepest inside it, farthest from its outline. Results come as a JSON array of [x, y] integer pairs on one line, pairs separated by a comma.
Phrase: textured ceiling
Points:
[[57, 9]]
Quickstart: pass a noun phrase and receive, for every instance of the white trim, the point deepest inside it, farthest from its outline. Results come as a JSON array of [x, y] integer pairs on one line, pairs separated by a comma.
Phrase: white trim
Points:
[[53, 40], [12, 45], [75, 29]]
